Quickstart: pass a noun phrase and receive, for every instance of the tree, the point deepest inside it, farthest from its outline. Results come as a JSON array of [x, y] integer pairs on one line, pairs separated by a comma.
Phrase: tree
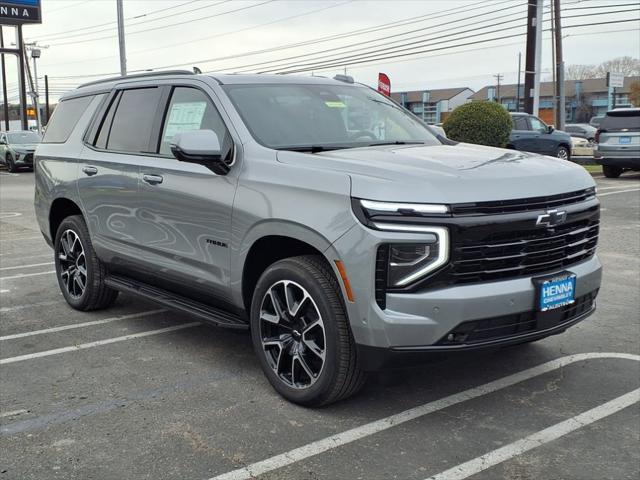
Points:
[[483, 123], [628, 66], [634, 94], [579, 72]]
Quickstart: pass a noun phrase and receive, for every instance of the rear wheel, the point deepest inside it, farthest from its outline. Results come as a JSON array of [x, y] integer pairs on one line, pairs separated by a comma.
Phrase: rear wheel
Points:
[[80, 272], [563, 153], [11, 166], [301, 334], [611, 172]]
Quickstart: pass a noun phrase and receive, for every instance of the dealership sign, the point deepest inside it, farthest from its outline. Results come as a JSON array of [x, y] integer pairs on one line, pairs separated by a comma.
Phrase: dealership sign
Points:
[[384, 84], [615, 79], [18, 12]]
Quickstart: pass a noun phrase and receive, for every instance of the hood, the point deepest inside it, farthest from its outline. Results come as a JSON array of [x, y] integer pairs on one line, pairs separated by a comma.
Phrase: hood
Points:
[[25, 147], [446, 173]]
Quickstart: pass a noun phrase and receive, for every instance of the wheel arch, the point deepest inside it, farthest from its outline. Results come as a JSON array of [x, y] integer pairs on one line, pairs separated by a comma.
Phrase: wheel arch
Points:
[[269, 242], [61, 208]]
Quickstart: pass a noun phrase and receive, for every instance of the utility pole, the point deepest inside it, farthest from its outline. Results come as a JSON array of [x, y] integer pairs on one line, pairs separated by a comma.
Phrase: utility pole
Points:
[[498, 78], [538, 64], [34, 95], [518, 87], [46, 99], [23, 89], [123, 53], [4, 85], [530, 57], [560, 105]]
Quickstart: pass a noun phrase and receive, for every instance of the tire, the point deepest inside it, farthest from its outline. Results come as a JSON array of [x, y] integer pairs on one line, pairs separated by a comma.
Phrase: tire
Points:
[[10, 165], [611, 172], [563, 153], [307, 351], [77, 265]]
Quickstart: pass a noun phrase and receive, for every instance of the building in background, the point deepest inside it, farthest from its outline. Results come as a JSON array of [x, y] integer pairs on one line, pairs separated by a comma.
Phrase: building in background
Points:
[[584, 98], [433, 106]]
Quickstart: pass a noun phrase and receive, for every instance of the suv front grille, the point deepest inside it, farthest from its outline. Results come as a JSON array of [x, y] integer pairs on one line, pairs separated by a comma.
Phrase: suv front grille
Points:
[[522, 204], [522, 253]]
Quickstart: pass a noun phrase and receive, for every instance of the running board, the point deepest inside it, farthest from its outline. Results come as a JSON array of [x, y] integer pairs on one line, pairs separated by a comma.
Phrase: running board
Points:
[[214, 315]]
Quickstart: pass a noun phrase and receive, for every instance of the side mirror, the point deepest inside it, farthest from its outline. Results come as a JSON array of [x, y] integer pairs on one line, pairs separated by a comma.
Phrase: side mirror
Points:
[[550, 129], [201, 147]]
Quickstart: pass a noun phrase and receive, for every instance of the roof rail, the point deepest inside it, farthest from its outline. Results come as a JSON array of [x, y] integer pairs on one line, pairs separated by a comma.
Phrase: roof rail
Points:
[[137, 75]]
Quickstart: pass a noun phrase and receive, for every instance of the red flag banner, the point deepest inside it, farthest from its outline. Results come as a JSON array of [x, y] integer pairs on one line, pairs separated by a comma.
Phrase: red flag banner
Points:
[[384, 84]]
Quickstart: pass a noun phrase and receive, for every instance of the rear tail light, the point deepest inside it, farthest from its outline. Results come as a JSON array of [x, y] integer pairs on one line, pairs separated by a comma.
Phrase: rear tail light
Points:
[[596, 138]]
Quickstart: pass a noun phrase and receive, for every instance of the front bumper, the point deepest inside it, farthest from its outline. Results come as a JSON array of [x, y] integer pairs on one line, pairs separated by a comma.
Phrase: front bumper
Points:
[[417, 322], [23, 159]]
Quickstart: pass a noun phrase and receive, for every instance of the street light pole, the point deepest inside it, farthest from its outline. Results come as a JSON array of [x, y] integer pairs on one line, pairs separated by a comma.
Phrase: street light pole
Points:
[[123, 53]]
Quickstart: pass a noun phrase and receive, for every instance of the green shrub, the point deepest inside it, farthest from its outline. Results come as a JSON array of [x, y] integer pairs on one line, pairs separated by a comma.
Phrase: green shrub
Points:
[[483, 123]]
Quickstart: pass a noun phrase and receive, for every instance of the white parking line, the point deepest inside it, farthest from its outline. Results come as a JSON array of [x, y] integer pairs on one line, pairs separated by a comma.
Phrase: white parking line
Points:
[[81, 325], [538, 439], [4, 215], [620, 191], [23, 275], [5, 239], [28, 305], [27, 266], [363, 431], [12, 413], [107, 341]]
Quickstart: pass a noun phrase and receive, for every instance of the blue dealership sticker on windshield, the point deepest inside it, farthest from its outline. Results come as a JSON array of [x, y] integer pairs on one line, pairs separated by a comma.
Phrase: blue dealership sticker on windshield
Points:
[[556, 291]]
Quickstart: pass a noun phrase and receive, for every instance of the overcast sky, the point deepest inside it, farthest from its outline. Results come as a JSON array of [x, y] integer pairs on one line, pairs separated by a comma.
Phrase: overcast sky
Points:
[[82, 37]]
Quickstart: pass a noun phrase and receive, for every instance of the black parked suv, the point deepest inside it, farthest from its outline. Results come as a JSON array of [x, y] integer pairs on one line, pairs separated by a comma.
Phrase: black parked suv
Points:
[[530, 134]]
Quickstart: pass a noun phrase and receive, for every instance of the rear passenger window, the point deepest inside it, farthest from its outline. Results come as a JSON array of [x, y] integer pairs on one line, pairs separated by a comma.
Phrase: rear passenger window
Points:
[[192, 109], [64, 119], [132, 121], [520, 123]]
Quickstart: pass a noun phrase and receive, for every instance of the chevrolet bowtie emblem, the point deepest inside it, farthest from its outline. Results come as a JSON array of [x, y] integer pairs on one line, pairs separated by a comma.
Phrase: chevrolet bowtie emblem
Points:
[[551, 218]]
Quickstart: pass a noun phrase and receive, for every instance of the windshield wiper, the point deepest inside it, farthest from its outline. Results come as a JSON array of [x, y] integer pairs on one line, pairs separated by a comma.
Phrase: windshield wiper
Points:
[[314, 148], [397, 142]]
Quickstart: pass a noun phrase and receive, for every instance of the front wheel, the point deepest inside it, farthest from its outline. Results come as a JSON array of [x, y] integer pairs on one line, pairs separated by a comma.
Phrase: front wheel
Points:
[[11, 166], [563, 153], [301, 334], [80, 272], [611, 172]]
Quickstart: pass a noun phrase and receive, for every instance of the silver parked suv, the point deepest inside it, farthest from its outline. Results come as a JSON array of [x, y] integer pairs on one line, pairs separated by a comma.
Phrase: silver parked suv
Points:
[[318, 214], [618, 142]]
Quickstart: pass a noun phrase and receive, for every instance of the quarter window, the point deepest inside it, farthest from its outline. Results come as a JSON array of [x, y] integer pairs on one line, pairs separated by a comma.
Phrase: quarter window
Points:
[[64, 119], [191, 109]]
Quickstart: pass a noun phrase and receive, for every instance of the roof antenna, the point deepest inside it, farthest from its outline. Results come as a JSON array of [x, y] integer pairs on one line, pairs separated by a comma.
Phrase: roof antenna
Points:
[[197, 71]]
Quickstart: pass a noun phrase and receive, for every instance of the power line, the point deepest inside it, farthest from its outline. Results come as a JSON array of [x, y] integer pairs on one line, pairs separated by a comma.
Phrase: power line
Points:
[[167, 26], [604, 32], [64, 35], [395, 49], [385, 39], [65, 32], [392, 56]]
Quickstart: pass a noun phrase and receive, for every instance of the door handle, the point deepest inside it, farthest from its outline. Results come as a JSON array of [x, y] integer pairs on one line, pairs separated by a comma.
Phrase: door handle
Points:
[[89, 170], [152, 179]]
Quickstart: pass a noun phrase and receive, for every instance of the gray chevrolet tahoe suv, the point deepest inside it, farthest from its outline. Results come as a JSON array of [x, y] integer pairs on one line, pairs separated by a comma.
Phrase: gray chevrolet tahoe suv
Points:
[[318, 214]]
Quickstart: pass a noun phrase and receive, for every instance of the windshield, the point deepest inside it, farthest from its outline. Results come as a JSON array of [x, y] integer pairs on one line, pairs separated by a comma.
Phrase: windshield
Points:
[[21, 138], [318, 117]]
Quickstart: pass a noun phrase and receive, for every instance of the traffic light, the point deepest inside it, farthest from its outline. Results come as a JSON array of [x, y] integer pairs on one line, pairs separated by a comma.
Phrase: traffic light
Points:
[[31, 112]]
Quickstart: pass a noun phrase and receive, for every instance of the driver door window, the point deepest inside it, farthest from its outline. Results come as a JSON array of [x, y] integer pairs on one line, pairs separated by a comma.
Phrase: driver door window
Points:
[[537, 125], [191, 109]]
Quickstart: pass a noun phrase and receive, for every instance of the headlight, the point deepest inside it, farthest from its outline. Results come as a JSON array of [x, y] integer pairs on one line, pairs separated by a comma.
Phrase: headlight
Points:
[[408, 262], [373, 207]]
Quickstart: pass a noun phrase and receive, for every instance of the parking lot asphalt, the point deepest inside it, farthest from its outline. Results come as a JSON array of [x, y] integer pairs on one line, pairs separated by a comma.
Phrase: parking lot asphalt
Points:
[[136, 392]]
